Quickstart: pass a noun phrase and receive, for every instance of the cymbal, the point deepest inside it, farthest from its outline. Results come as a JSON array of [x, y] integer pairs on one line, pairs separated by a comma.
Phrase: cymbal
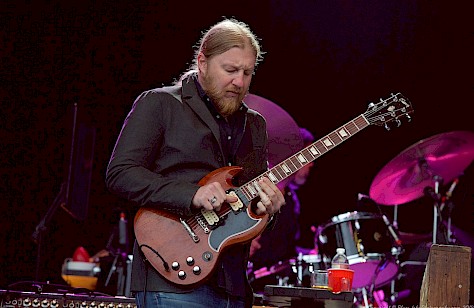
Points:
[[405, 177], [284, 138]]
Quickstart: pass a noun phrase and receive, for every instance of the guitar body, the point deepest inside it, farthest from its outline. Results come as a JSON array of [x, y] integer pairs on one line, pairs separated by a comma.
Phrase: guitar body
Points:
[[192, 254]]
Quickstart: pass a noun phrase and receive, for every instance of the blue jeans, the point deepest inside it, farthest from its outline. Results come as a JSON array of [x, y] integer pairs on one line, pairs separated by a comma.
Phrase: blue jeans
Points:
[[202, 297]]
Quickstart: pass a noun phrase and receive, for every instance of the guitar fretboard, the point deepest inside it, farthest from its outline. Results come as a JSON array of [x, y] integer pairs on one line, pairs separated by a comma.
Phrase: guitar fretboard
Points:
[[310, 153]]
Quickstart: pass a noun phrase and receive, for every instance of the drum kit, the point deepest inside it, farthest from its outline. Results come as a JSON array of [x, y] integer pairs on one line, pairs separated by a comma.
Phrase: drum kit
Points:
[[373, 243]]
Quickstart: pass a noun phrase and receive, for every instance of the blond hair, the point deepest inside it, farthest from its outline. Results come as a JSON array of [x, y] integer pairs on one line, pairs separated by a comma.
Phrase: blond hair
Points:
[[223, 36]]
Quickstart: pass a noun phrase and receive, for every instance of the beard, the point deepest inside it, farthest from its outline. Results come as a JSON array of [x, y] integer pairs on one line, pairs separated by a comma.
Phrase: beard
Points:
[[224, 105]]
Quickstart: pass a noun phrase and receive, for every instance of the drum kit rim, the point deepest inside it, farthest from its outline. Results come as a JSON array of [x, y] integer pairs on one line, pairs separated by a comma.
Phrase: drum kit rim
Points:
[[426, 168]]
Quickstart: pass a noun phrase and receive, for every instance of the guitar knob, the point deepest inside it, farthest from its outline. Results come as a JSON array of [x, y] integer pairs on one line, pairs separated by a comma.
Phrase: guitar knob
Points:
[[207, 256], [182, 275], [175, 265], [196, 270], [190, 261]]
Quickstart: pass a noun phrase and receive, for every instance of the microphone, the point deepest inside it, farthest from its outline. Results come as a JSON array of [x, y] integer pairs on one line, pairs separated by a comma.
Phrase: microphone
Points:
[[429, 192], [362, 197], [392, 231]]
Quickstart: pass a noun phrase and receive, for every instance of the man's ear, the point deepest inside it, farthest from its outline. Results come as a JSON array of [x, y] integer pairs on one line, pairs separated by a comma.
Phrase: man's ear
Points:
[[202, 62]]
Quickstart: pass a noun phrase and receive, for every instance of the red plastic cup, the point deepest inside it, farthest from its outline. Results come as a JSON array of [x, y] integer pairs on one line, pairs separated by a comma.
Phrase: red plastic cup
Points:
[[340, 279]]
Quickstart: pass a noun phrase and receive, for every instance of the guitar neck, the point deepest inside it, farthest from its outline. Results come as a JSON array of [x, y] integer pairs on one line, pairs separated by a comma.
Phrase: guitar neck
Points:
[[305, 156]]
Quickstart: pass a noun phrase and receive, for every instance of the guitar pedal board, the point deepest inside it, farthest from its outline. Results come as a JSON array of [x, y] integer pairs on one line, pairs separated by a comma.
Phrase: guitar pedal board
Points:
[[14, 299]]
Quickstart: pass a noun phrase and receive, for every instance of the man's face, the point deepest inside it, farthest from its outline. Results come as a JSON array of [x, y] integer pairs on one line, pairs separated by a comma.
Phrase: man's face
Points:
[[226, 77]]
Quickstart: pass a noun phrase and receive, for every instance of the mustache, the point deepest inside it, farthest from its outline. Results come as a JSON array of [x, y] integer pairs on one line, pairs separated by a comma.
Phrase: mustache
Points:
[[237, 90]]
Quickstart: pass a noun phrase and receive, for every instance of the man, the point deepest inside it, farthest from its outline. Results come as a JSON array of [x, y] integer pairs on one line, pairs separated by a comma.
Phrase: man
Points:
[[172, 138], [283, 242]]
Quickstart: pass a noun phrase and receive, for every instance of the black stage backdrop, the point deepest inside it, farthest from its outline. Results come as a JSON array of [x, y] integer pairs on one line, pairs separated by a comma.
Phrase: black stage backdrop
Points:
[[325, 61]]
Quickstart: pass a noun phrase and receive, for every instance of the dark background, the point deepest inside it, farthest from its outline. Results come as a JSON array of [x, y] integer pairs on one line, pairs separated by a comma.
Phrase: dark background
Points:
[[325, 61]]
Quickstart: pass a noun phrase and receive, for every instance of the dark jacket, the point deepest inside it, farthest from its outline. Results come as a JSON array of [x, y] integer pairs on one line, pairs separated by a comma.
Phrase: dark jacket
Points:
[[168, 142]]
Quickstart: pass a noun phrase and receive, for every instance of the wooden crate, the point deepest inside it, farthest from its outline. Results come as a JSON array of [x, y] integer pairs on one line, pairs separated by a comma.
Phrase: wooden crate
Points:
[[446, 280]]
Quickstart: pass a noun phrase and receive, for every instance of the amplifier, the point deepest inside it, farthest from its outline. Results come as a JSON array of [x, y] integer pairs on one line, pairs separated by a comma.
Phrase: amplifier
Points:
[[12, 299]]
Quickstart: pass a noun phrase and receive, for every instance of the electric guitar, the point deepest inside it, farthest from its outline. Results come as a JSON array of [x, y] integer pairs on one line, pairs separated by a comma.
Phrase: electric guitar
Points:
[[185, 250]]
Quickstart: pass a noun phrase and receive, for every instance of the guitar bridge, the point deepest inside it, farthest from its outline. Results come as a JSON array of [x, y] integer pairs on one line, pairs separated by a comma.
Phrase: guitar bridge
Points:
[[190, 231]]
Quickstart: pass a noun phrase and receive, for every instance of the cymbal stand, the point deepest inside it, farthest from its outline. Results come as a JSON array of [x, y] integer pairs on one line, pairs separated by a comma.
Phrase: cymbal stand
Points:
[[446, 201], [395, 216], [449, 228], [436, 213], [365, 298]]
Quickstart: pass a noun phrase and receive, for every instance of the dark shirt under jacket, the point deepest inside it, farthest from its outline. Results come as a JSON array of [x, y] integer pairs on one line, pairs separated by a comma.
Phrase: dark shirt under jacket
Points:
[[169, 141], [278, 244], [231, 128]]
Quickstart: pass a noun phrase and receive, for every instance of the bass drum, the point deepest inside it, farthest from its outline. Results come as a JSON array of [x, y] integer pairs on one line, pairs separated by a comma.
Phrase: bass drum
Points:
[[370, 248]]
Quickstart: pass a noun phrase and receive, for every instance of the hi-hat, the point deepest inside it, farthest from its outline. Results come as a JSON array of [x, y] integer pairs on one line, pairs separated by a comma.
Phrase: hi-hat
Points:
[[405, 177]]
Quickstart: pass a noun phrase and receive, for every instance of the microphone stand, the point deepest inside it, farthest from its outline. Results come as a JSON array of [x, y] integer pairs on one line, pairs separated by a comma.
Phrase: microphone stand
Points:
[[121, 260], [60, 199], [41, 228]]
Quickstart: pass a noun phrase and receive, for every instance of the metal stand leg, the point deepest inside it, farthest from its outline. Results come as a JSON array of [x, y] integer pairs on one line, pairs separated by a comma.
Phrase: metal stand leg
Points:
[[299, 280], [120, 268], [365, 298], [435, 222]]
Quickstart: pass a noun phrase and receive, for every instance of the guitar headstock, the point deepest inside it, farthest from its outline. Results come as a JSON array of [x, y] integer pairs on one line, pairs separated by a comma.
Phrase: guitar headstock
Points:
[[389, 110]]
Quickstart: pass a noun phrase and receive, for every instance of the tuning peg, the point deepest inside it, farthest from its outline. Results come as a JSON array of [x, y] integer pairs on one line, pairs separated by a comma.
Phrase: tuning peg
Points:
[[399, 123], [408, 117], [387, 127]]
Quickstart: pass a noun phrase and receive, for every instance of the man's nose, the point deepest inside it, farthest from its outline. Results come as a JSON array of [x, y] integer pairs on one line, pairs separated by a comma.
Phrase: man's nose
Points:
[[239, 80]]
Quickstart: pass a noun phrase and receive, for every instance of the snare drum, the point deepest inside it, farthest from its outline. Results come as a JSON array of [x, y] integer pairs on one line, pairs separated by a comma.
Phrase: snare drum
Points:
[[369, 246]]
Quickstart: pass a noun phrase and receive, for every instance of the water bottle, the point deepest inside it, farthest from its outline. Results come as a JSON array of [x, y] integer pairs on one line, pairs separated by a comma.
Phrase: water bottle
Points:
[[340, 259]]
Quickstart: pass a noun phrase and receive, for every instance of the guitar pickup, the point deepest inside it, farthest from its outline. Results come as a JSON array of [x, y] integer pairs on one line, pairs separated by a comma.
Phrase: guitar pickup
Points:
[[211, 217], [238, 205]]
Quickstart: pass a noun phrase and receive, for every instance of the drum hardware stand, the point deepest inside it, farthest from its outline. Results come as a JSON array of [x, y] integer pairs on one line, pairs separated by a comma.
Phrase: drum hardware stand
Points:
[[396, 251], [365, 297], [438, 206], [449, 232], [436, 212], [445, 201], [299, 270]]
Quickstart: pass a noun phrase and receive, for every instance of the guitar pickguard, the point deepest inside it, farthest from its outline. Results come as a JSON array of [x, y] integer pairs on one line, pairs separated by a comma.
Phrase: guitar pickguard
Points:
[[234, 225]]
